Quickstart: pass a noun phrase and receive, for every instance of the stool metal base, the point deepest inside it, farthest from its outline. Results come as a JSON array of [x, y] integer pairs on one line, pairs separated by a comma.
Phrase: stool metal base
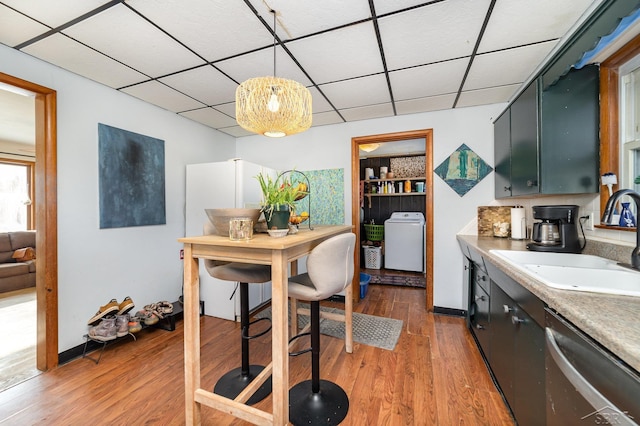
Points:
[[232, 383], [327, 407]]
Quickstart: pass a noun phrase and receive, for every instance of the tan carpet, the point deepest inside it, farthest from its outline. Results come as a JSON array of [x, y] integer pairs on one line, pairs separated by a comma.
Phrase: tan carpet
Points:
[[18, 337]]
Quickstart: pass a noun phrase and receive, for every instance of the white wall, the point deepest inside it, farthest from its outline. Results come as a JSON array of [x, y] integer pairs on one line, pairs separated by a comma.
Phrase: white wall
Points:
[[327, 147], [97, 265]]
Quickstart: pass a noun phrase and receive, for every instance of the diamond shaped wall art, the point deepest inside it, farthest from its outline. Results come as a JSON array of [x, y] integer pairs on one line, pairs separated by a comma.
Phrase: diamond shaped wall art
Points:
[[463, 169]]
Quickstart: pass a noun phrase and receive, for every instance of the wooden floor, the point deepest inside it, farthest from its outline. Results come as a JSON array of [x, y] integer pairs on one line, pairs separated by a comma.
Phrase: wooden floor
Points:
[[435, 375]]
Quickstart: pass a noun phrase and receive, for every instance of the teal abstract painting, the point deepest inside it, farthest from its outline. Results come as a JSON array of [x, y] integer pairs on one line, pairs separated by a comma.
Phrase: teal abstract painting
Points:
[[463, 169]]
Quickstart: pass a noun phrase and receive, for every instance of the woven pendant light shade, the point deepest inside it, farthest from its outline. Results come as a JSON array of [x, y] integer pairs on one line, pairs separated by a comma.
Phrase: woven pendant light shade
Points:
[[273, 106]]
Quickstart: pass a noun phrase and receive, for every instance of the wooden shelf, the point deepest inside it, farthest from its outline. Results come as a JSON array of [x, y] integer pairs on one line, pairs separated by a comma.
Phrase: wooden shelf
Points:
[[396, 194], [394, 179]]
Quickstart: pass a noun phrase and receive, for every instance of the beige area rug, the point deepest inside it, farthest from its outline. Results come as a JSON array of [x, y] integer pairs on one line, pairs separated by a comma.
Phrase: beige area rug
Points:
[[18, 337]]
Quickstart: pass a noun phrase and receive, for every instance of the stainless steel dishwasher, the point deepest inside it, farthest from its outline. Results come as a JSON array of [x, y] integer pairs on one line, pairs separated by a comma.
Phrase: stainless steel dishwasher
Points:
[[585, 384]]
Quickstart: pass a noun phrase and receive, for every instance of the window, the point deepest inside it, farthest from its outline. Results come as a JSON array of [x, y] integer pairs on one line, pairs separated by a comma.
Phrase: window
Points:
[[16, 196], [630, 124]]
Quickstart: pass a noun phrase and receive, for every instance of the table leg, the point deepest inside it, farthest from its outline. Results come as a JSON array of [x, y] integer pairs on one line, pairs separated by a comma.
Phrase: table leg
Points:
[[294, 305], [191, 336], [279, 333]]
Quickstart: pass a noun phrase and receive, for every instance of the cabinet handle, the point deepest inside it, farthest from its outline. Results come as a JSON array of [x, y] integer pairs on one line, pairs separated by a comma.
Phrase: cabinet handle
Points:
[[466, 268], [531, 183], [479, 327], [480, 298], [515, 320], [507, 188], [507, 309], [481, 278]]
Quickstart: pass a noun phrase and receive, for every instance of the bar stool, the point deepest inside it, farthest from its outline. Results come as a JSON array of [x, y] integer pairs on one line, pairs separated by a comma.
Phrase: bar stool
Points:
[[330, 270], [233, 382]]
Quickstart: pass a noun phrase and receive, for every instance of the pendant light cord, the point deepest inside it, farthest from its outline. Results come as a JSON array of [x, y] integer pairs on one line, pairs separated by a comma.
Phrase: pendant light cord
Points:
[[274, 41]]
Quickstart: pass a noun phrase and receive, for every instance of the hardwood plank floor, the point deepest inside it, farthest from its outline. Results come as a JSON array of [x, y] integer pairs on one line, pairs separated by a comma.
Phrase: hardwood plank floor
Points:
[[435, 375]]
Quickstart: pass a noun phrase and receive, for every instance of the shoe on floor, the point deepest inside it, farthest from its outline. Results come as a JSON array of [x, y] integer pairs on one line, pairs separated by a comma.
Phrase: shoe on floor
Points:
[[122, 325], [125, 306], [104, 331], [110, 307]]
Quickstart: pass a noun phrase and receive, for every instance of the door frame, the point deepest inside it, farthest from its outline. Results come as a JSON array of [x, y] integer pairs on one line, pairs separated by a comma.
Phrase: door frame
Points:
[[427, 135], [46, 219]]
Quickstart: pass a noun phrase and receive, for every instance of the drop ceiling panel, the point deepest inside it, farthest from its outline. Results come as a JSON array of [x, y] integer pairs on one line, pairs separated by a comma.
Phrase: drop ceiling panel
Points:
[[158, 94], [205, 84], [324, 118], [73, 56], [236, 131], [318, 102], [260, 63], [16, 28], [428, 80], [368, 112], [432, 103], [386, 6], [340, 54], [505, 66], [298, 18], [530, 21], [213, 29], [54, 13], [126, 37], [434, 33], [210, 117], [229, 109], [358, 92], [491, 95]]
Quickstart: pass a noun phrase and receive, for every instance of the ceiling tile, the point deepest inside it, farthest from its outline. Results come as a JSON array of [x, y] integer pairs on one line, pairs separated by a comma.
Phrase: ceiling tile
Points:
[[324, 118], [319, 103], [126, 37], [369, 90], [432, 103], [340, 54], [530, 21], [210, 117], [205, 84], [228, 108], [298, 18], [236, 131], [367, 112], [428, 80], [54, 13], [433, 33], [16, 28], [75, 57], [163, 96], [491, 95], [506, 66], [213, 29], [386, 6], [260, 63]]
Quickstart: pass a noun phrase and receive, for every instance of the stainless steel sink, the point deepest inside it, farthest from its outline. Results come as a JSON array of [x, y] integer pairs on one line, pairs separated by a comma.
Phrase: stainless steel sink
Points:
[[579, 272]]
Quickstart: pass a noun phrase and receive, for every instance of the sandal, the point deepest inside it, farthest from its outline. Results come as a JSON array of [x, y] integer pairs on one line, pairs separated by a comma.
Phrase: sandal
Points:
[[164, 307], [154, 309]]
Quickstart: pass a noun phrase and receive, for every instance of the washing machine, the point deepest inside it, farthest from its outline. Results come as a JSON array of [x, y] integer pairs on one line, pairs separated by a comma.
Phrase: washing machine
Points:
[[404, 236]]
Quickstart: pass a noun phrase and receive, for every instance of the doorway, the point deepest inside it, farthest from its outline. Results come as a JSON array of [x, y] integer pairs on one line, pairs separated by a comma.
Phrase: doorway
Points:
[[427, 136], [45, 207]]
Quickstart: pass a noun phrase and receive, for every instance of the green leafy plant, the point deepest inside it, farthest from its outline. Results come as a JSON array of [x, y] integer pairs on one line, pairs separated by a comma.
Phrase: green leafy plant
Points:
[[637, 180], [277, 192]]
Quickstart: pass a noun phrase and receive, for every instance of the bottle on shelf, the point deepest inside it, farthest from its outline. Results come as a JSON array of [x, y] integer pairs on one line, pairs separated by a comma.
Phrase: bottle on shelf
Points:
[[407, 185]]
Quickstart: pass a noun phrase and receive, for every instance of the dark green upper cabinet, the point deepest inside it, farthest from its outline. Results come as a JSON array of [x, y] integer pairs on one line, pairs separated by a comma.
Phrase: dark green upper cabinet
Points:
[[570, 140], [551, 138]]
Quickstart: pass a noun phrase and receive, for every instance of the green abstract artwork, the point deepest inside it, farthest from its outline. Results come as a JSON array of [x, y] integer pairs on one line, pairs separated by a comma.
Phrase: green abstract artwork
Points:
[[325, 203], [463, 169]]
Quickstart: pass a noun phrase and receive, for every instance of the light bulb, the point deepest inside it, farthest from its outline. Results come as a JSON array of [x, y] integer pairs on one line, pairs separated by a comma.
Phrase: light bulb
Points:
[[273, 104]]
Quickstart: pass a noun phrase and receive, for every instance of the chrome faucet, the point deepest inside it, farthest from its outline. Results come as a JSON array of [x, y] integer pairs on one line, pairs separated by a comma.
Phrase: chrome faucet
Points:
[[608, 213]]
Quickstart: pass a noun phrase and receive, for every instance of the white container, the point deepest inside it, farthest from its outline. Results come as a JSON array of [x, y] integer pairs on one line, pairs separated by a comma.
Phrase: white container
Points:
[[373, 257]]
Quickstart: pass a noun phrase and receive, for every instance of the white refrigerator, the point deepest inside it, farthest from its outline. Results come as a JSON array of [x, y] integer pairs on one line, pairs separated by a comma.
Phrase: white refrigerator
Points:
[[226, 184]]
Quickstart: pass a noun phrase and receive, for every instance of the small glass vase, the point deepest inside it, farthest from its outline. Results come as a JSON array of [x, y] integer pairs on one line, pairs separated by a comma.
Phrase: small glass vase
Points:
[[626, 217]]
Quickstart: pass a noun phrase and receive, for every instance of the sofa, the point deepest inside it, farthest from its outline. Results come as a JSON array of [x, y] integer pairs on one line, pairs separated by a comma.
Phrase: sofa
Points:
[[16, 274]]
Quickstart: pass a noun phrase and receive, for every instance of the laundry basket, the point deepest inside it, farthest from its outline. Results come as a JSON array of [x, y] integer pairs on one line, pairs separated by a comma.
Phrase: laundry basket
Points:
[[374, 232], [373, 257]]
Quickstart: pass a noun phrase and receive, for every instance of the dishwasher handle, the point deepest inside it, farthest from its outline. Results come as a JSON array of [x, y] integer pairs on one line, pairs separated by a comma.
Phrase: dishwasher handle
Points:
[[582, 385]]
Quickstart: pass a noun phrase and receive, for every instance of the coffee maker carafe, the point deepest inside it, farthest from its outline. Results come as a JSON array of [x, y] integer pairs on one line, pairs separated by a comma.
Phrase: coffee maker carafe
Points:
[[557, 230]]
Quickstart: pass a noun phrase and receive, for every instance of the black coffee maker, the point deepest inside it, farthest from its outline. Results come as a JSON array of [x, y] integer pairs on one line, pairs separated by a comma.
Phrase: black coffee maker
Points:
[[557, 230]]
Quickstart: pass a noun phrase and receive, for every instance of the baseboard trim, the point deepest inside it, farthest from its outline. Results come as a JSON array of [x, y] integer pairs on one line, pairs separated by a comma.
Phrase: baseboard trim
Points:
[[77, 351], [449, 311]]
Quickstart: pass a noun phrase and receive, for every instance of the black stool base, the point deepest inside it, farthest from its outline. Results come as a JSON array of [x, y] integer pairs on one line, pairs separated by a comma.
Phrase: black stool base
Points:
[[327, 407], [232, 383]]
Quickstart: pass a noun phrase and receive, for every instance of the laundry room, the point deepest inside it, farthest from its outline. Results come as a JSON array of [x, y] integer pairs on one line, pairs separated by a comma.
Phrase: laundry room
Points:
[[392, 215]]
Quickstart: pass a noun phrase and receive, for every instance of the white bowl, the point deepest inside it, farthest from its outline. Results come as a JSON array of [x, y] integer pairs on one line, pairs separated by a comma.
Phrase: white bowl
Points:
[[278, 233], [219, 218]]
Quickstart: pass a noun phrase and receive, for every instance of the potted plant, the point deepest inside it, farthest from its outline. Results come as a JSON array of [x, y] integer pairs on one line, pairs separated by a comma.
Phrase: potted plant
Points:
[[278, 197]]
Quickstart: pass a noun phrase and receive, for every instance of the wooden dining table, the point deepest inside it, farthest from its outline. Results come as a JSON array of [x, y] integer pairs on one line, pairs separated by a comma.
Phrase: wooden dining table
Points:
[[261, 249]]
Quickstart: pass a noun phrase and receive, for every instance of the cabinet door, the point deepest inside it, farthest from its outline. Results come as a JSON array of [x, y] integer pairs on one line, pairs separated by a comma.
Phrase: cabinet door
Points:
[[502, 340], [524, 142], [502, 154], [480, 319], [569, 142]]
